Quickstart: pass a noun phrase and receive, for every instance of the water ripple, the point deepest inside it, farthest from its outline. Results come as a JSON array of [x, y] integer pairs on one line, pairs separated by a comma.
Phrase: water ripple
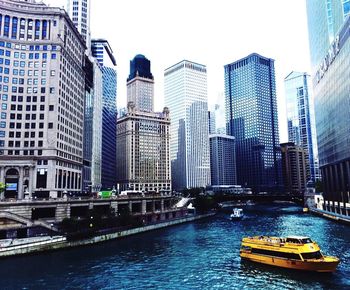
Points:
[[200, 255]]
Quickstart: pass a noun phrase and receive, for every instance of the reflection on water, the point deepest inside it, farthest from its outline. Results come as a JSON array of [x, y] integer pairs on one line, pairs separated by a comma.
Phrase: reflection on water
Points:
[[200, 255]]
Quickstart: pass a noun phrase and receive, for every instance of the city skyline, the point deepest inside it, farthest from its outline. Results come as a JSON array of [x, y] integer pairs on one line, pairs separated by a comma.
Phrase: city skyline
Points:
[[203, 37]]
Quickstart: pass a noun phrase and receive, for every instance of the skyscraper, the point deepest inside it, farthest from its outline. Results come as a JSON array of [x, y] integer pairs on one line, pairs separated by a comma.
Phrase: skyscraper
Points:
[[251, 117], [143, 136], [222, 160], [294, 168], [79, 12], [102, 51], [42, 112], [140, 84], [329, 30], [300, 118], [186, 96]]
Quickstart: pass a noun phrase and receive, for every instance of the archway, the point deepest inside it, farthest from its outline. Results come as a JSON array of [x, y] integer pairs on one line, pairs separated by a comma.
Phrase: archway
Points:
[[11, 182]]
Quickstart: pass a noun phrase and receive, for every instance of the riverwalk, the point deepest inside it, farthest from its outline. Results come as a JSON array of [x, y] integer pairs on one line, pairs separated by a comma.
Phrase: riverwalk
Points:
[[29, 246], [330, 215]]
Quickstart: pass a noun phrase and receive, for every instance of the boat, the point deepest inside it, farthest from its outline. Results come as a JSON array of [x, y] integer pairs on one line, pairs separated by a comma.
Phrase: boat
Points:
[[237, 214], [293, 252]]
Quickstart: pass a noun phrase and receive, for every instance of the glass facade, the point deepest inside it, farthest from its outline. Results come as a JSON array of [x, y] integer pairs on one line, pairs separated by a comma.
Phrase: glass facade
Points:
[[222, 160], [331, 84], [301, 125], [251, 117], [104, 55], [186, 96]]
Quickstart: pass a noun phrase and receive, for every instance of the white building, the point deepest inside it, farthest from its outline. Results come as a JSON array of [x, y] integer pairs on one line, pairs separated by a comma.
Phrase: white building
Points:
[[143, 161], [140, 84], [79, 12], [143, 136], [42, 96], [186, 97]]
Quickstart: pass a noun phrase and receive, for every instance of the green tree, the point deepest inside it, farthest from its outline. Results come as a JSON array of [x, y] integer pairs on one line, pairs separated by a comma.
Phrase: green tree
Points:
[[319, 185]]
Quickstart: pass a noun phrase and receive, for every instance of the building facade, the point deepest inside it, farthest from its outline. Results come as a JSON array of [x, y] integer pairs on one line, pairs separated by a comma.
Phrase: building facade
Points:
[[329, 30], [79, 12], [186, 96], [143, 161], [42, 101], [300, 118], [294, 168], [92, 126], [222, 160], [251, 117], [143, 136], [103, 53], [140, 84]]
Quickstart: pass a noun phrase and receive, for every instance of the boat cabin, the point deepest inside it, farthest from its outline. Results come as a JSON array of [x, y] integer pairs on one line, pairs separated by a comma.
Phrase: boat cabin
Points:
[[298, 240]]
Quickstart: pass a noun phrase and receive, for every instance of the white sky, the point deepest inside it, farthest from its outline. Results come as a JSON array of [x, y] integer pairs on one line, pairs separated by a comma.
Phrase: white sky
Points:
[[210, 32]]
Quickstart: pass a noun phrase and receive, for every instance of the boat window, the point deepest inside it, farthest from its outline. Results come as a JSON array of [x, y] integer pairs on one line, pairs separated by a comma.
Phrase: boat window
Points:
[[314, 255], [306, 241], [277, 254]]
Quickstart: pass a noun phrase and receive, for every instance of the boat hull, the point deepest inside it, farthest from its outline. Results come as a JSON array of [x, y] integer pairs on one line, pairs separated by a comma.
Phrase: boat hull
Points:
[[328, 264]]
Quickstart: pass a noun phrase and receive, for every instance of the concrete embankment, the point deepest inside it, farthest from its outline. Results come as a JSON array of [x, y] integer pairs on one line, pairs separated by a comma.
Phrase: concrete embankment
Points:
[[60, 242], [331, 215]]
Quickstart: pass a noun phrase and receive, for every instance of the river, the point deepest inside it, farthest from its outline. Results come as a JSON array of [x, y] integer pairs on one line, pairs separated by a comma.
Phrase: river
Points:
[[198, 255]]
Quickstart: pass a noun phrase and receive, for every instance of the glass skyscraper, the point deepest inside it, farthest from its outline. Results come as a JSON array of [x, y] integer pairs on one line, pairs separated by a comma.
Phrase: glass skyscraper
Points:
[[186, 97], [329, 31], [102, 51], [300, 118], [222, 160], [251, 117]]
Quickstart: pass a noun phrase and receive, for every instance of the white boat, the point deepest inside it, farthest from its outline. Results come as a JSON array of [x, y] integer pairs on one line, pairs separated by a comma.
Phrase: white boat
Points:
[[237, 214]]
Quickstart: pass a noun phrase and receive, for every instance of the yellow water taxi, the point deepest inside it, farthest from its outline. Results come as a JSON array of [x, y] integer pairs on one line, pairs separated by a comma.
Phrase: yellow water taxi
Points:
[[292, 252]]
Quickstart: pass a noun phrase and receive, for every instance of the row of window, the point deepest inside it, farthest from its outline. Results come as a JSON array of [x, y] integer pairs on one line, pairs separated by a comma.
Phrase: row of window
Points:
[[24, 29], [18, 152]]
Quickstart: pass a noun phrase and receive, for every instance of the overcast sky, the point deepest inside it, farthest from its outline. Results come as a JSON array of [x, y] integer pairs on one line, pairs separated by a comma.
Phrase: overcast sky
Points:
[[213, 33]]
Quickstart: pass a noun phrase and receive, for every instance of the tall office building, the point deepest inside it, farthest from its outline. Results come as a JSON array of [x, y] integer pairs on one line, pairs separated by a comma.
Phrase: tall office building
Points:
[[251, 117], [42, 95], [212, 115], [295, 167], [102, 51], [92, 126], [140, 84], [300, 118], [143, 137], [79, 12], [222, 160], [186, 96], [329, 31]]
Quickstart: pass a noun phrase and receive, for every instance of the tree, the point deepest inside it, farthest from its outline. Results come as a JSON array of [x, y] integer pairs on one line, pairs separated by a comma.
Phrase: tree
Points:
[[319, 185], [2, 188]]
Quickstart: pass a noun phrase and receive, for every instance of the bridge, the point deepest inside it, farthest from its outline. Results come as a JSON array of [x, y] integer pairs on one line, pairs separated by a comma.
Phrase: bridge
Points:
[[263, 198]]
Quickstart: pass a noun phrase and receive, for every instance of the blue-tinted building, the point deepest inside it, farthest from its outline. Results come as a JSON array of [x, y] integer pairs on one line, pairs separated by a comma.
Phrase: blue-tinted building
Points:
[[102, 51], [251, 117], [300, 118], [329, 37], [222, 160]]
